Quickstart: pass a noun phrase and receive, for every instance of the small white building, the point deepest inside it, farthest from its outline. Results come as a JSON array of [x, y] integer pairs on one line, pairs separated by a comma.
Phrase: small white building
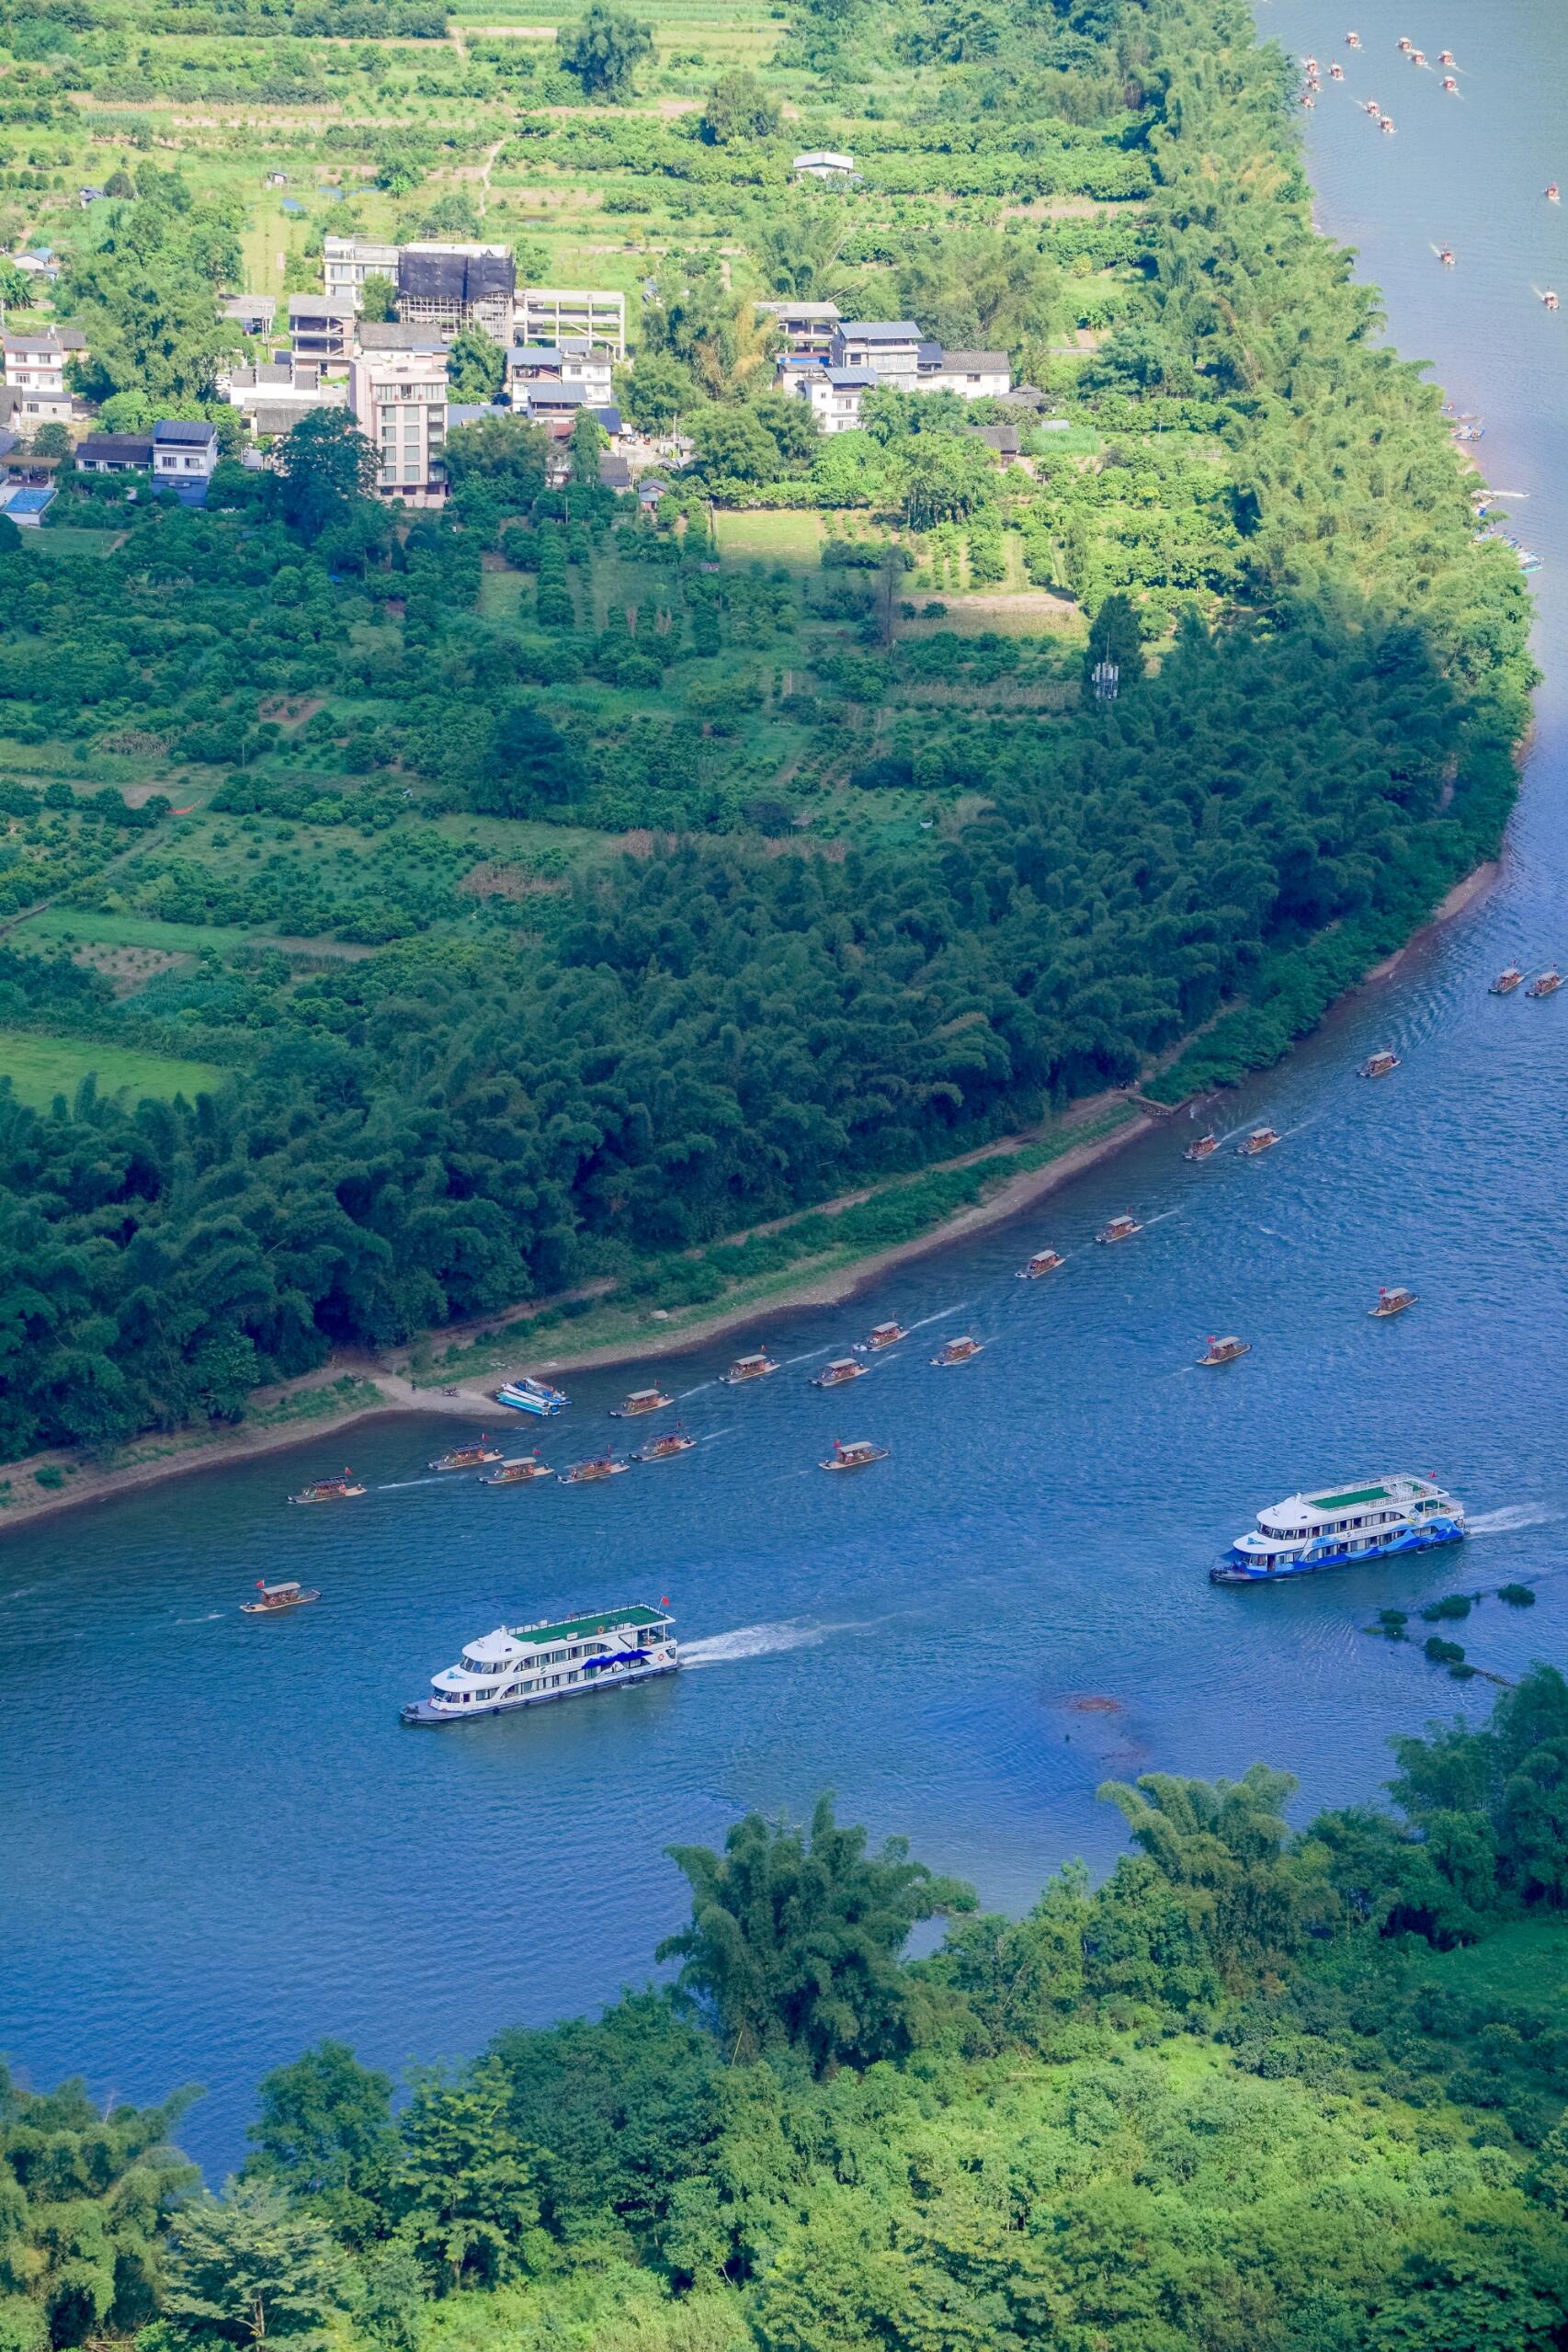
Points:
[[398, 401], [347, 262], [832, 394], [823, 164], [571, 313], [184, 452], [889, 348], [35, 373]]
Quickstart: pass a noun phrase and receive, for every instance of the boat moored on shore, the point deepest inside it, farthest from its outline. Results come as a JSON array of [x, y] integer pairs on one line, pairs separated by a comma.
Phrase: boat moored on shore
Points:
[[276, 1598], [329, 1490], [1392, 1301], [1226, 1351], [532, 1396], [528, 1665], [1336, 1526]]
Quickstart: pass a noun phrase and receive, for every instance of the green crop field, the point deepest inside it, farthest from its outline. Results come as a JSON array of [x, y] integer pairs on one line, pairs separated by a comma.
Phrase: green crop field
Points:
[[66, 926], [41, 1067]]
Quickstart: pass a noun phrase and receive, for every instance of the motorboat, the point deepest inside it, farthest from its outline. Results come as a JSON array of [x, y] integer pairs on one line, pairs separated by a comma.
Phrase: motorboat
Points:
[[532, 1396], [885, 1335], [1546, 983], [1262, 1139], [640, 1401], [674, 1441], [855, 1453], [1044, 1261], [1507, 981], [1226, 1351], [1392, 1302], [1121, 1228], [589, 1472], [1204, 1148], [329, 1490], [1378, 1065], [962, 1350], [754, 1367], [842, 1370], [276, 1598], [474, 1457], [522, 1469]]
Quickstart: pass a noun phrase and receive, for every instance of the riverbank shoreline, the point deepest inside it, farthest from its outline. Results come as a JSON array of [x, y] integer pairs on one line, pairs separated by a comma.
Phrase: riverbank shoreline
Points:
[[367, 1390]]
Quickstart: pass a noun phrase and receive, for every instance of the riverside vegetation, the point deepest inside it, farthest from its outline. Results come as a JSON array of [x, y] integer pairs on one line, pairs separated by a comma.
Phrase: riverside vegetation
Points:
[[1259, 2092], [558, 890]]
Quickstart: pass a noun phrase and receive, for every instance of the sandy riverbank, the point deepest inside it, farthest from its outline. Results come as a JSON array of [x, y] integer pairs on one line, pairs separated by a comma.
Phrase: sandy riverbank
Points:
[[379, 1392]]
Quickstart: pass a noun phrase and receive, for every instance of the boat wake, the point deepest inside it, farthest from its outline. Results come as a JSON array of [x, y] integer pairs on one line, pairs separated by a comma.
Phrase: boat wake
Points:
[[1513, 1517], [756, 1641], [940, 1316], [696, 1391], [810, 1357], [210, 1619], [400, 1485]]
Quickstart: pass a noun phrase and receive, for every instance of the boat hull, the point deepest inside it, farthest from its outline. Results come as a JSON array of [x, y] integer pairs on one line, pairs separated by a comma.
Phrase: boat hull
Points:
[[1240, 1568], [422, 1715]]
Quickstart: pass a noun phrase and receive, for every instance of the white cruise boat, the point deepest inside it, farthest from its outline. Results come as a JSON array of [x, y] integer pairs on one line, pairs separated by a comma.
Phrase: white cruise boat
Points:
[[526, 1665], [1339, 1524], [532, 1396]]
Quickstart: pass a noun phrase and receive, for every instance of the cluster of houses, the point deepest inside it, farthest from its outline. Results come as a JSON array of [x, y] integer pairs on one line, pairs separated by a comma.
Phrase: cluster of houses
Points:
[[833, 362], [561, 345], [178, 455]]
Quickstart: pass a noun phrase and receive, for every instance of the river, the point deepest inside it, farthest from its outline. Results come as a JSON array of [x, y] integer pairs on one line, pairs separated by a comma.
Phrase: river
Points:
[[217, 1843]]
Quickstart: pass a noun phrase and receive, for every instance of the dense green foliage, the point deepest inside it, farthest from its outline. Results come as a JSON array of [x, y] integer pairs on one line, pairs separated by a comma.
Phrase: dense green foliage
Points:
[[1261, 2091], [557, 1065]]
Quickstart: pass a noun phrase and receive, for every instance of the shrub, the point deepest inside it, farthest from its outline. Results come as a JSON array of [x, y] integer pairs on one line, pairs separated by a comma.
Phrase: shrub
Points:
[[1451, 1604], [1516, 1596], [1442, 1653]]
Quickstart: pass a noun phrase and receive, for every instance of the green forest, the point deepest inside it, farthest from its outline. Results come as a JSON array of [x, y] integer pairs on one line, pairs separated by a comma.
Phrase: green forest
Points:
[[1263, 2090], [555, 886]]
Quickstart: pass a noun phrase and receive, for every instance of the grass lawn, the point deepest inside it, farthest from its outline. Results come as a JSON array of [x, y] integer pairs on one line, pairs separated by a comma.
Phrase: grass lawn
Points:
[[786, 536], [41, 1067], [74, 927], [1526, 1961]]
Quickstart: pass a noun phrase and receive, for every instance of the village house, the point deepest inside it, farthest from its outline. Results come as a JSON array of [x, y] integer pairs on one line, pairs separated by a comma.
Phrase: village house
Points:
[[451, 286], [35, 372], [587, 366], [347, 262], [823, 164], [184, 454], [890, 348], [398, 401], [114, 453], [807, 327], [834, 394], [973, 375], [252, 314]]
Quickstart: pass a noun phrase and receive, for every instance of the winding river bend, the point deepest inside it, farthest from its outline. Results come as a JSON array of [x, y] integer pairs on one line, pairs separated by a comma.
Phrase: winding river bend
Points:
[[216, 1842]]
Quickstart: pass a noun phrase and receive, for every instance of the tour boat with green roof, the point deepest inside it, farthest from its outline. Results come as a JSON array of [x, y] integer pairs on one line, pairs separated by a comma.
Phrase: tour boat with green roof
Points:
[[1336, 1526], [528, 1665]]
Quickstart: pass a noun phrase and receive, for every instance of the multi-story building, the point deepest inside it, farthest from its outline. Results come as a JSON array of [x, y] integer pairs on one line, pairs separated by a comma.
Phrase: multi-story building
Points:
[[588, 367], [114, 453], [451, 286], [889, 348], [35, 375], [184, 454], [834, 394], [321, 328], [347, 262], [807, 327], [571, 313], [398, 401]]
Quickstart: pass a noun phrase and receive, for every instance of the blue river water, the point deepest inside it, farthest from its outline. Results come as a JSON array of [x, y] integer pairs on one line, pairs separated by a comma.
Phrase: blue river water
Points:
[[217, 1844]]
